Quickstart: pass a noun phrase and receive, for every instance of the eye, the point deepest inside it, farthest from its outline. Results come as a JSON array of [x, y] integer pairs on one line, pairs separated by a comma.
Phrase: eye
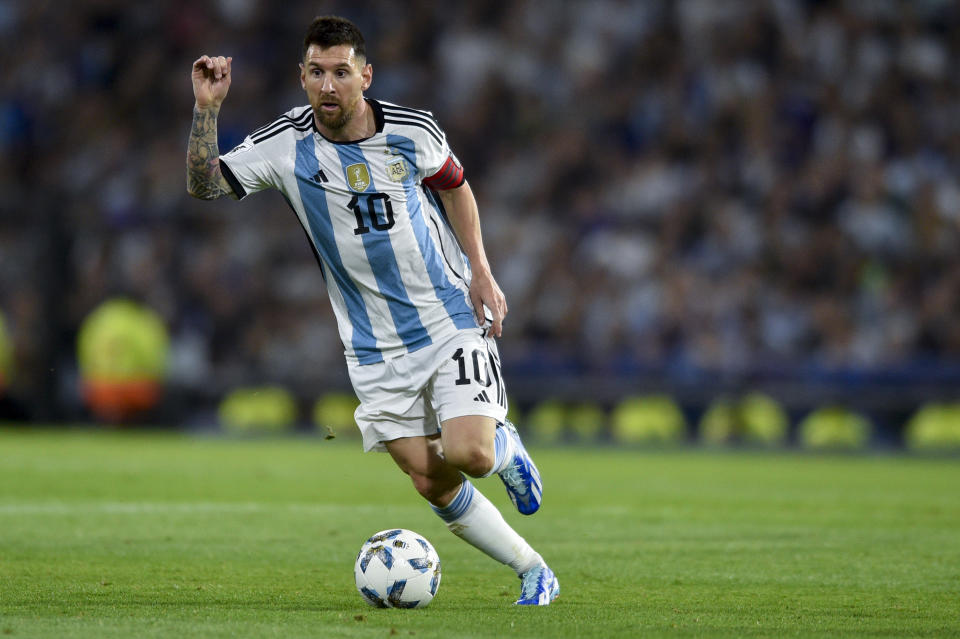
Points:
[[341, 73]]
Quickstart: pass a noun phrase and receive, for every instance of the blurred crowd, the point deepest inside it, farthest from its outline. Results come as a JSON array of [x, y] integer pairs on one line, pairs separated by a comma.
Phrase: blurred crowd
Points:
[[673, 188]]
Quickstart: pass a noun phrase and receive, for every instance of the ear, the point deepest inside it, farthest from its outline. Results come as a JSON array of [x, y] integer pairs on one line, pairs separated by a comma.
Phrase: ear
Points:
[[366, 77], [303, 76]]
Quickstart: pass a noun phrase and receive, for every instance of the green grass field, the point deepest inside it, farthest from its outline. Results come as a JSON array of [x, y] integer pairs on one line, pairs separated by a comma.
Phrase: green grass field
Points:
[[140, 535]]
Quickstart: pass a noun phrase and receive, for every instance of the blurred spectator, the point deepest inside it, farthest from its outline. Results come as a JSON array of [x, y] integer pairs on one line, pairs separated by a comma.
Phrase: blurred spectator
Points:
[[739, 188]]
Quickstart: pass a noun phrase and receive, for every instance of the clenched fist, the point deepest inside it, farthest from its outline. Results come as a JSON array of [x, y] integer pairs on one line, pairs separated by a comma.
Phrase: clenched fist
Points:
[[211, 80]]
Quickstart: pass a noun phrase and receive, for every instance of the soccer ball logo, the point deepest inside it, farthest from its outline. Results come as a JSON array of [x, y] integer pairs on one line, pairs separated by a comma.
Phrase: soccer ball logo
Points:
[[397, 569]]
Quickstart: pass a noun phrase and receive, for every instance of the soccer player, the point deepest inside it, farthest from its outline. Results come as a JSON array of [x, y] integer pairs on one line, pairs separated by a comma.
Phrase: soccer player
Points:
[[395, 229]]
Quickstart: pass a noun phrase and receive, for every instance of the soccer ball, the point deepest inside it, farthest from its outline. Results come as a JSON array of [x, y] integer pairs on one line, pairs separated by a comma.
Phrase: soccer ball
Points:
[[397, 569]]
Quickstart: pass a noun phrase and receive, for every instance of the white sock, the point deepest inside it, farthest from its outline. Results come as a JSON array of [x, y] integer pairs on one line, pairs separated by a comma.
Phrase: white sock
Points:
[[503, 451], [473, 518]]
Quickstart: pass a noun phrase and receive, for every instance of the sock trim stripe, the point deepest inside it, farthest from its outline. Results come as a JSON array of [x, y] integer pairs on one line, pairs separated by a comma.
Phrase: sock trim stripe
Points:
[[460, 504]]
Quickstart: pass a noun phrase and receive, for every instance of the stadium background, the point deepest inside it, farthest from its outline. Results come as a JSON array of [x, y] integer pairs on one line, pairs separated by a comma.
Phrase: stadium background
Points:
[[691, 198]]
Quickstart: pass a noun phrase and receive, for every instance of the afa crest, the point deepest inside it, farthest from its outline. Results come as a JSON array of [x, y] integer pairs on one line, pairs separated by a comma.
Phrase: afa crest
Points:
[[358, 177], [397, 169]]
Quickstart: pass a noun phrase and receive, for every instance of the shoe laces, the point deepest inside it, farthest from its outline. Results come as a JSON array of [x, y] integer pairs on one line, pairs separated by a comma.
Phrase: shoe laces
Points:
[[513, 476]]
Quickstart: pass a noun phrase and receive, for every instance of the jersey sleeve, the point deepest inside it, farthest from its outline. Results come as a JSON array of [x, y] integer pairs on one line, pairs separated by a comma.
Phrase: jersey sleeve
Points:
[[441, 168], [246, 170]]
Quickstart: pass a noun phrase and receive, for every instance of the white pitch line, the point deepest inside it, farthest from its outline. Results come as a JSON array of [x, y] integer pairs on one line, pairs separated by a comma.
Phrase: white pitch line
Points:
[[137, 508]]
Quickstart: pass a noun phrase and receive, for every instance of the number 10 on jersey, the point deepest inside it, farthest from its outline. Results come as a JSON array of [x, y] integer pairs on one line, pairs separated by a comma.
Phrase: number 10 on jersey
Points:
[[365, 205]]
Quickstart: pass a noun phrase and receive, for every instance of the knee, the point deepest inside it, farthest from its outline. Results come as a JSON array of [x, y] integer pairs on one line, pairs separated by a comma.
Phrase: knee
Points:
[[473, 459], [435, 489]]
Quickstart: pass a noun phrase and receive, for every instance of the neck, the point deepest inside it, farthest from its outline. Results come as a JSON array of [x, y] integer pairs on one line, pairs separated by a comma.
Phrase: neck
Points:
[[361, 126]]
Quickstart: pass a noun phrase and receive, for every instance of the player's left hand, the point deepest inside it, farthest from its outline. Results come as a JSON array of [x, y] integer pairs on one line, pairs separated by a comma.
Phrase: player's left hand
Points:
[[484, 291]]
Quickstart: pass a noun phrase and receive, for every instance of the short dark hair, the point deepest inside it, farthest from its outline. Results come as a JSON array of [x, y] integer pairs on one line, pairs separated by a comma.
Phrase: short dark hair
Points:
[[330, 31]]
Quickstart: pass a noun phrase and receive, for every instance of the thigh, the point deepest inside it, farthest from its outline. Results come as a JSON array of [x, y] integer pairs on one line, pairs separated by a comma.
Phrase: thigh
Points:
[[468, 432]]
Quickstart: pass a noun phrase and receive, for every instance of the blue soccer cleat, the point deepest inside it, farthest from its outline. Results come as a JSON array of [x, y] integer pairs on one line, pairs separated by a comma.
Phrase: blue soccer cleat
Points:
[[539, 586], [521, 476]]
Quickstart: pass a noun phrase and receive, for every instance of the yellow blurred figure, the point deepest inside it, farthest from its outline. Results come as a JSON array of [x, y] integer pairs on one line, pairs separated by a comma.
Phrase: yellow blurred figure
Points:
[[333, 415], [756, 419], [719, 423], [547, 421], [122, 351], [258, 409], [586, 420], [835, 428], [650, 419], [934, 427]]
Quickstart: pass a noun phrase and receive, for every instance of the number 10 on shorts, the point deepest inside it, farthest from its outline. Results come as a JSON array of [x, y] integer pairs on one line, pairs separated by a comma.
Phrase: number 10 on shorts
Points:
[[481, 374]]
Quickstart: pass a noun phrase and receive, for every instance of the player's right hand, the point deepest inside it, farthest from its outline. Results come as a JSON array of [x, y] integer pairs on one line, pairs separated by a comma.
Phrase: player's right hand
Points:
[[211, 80]]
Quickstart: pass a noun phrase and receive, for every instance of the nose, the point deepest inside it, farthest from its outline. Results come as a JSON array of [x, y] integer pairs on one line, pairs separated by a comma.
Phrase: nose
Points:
[[327, 84]]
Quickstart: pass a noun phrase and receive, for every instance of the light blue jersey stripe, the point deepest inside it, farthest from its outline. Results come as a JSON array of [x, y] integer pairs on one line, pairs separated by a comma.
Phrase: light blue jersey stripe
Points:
[[314, 200], [383, 263], [453, 298]]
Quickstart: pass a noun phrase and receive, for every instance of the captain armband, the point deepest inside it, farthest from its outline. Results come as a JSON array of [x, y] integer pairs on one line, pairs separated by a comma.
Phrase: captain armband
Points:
[[450, 176]]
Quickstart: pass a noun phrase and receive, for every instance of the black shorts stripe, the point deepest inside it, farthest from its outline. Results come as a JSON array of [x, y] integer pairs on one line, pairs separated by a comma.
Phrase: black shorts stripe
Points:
[[495, 370], [396, 120], [411, 114]]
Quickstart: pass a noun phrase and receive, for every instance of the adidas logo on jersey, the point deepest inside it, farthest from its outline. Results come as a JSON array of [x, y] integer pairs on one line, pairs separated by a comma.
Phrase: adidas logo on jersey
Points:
[[482, 397], [319, 177]]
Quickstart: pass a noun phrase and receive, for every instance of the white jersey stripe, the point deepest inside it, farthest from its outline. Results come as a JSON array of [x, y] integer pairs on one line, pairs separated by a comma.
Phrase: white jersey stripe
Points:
[[453, 298], [381, 255], [314, 200]]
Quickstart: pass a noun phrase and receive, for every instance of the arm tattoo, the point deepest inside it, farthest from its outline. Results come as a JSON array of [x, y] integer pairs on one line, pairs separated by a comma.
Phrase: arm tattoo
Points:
[[204, 178]]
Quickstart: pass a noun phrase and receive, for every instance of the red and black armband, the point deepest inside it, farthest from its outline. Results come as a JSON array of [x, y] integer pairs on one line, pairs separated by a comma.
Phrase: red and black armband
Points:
[[450, 176]]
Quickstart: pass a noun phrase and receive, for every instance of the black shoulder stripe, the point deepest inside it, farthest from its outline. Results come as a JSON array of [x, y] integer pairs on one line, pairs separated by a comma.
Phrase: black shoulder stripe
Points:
[[279, 120], [414, 115], [392, 120], [269, 134], [284, 119], [425, 114]]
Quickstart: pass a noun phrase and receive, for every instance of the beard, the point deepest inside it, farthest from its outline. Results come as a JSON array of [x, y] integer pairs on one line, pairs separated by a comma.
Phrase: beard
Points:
[[338, 119]]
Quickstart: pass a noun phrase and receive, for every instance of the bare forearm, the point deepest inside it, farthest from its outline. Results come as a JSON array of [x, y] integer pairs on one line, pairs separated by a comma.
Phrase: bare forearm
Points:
[[204, 178], [461, 209], [462, 212]]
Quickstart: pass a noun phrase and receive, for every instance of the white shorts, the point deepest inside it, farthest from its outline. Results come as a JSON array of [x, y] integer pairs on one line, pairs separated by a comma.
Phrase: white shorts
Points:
[[410, 395]]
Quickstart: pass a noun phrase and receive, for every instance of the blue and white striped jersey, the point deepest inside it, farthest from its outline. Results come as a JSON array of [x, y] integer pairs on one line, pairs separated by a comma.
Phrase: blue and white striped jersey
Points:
[[394, 271]]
